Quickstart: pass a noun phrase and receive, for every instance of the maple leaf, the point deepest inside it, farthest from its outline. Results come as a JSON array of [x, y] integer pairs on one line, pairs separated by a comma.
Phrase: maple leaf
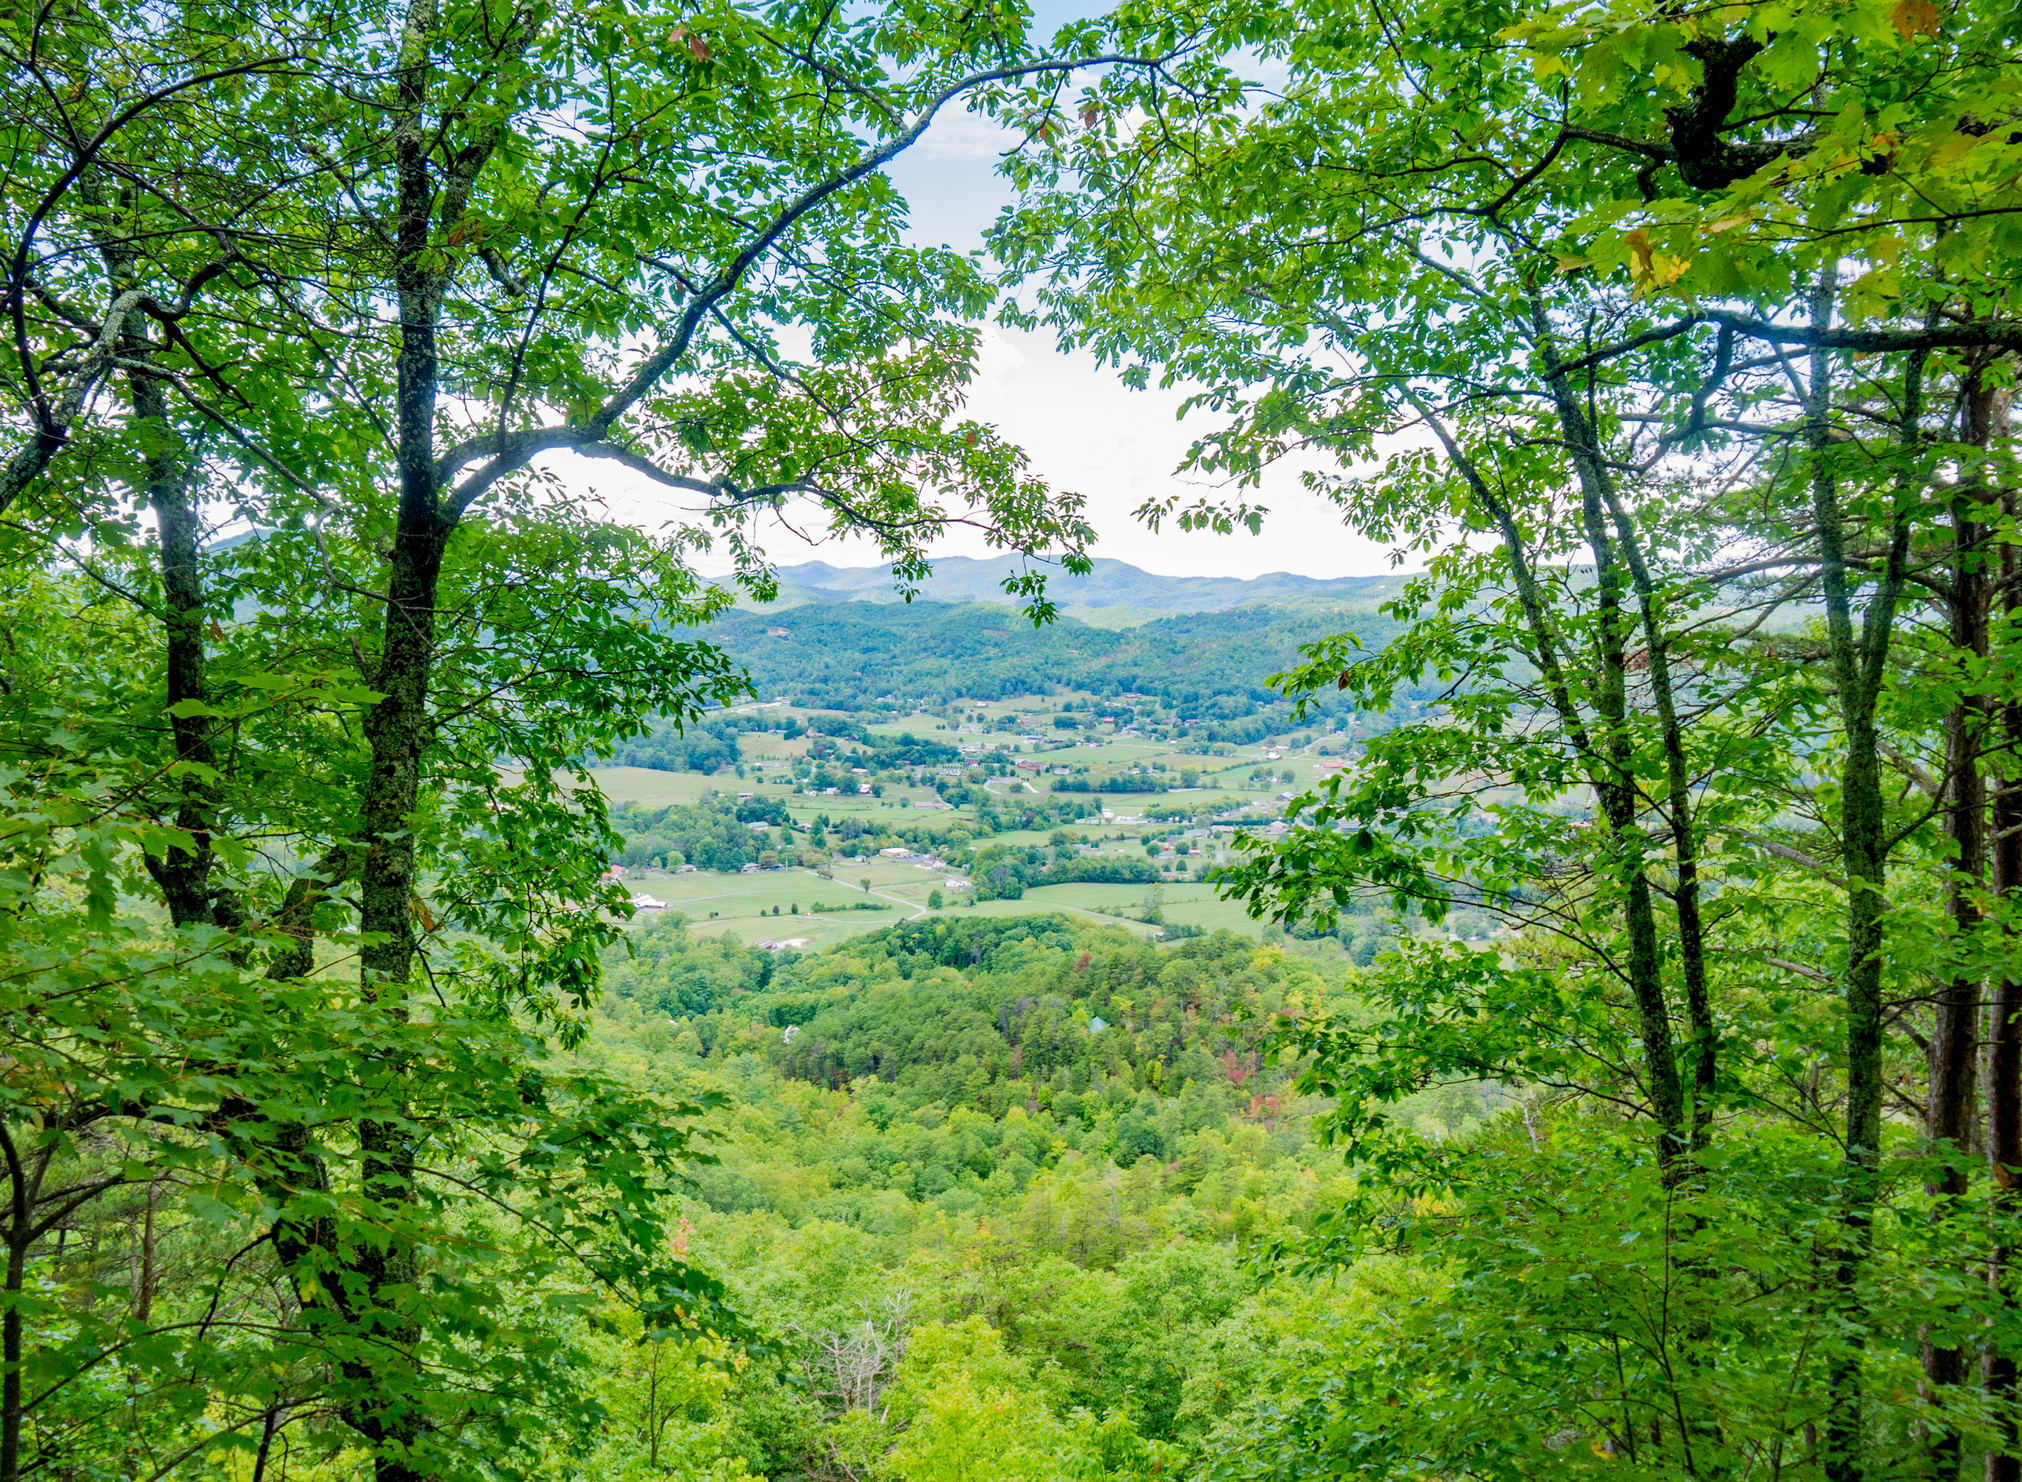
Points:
[[1639, 243], [1913, 18]]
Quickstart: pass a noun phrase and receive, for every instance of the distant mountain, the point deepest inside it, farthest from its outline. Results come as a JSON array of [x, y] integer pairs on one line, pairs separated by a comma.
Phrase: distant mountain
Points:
[[958, 579]]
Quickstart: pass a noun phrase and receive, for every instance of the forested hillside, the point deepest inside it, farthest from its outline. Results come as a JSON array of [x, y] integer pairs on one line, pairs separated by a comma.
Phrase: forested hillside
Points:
[[995, 1185], [861, 656]]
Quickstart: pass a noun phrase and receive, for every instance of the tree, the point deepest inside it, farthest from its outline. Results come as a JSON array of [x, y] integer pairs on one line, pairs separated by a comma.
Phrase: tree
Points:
[[1557, 292], [353, 290]]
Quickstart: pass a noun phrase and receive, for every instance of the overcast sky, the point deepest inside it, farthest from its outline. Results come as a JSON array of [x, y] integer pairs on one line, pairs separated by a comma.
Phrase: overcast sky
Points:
[[1082, 428]]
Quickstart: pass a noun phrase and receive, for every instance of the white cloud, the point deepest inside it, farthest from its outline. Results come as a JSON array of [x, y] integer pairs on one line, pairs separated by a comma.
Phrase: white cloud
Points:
[[964, 135], [1087, 433]]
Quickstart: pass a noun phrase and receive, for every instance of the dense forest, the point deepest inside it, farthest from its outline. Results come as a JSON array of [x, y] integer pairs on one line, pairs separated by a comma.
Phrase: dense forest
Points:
[[1623, 1075], [996, 1184]]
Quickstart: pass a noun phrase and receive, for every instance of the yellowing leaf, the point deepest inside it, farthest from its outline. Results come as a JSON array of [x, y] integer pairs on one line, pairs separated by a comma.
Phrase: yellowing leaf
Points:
[[1639, 244], [1649, 267], [1913, 18], [1951, 148]]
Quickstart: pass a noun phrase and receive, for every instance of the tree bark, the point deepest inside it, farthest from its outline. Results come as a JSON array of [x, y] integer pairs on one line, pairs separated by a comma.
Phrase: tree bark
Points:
[[1857, 659], [1618, 798], [184, 874], [396, 731], [2003, 1075], [1954, 1045], [1684, 829]]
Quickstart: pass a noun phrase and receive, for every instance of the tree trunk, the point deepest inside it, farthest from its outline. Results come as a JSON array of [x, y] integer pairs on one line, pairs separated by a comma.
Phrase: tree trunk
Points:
[[10, 1356], [1684, 830], [1857, 660], [183, 873], [1618, 795], [2003, 1077], [1954, 1045], [2003, 1090]]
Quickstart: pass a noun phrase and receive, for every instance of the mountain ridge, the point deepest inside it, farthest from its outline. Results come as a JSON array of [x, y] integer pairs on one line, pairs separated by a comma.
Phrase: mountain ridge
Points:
[[1111, 583]]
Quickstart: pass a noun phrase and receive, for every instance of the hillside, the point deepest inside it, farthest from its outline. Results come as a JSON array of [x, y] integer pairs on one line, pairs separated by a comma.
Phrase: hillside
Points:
[[856, 655], [991, 1187]]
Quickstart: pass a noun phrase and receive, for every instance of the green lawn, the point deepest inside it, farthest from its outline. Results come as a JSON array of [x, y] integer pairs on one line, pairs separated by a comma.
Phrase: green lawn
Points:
[[1185, 905], [743, 904]]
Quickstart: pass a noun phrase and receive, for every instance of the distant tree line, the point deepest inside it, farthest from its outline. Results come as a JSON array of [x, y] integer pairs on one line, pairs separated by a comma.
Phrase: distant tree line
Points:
[[1004, 872]]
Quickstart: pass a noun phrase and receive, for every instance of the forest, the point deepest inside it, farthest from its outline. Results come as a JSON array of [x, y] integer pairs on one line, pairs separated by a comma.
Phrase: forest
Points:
[[999, 1180], [1622, 1072]]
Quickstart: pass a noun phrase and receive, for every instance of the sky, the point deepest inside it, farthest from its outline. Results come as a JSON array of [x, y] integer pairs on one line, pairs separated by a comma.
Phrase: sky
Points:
[[1083, 430]]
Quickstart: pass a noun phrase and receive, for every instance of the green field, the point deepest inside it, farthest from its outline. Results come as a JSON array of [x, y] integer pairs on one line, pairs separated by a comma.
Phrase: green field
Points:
[[743, 904], [1185, 905]]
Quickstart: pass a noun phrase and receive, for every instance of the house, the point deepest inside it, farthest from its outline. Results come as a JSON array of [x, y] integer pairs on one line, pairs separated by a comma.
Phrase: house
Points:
[[647, 903], [1029, 766]]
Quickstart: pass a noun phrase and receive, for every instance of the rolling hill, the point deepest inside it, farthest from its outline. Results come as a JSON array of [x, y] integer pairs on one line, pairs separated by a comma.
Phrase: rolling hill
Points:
[[1111, 583]]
